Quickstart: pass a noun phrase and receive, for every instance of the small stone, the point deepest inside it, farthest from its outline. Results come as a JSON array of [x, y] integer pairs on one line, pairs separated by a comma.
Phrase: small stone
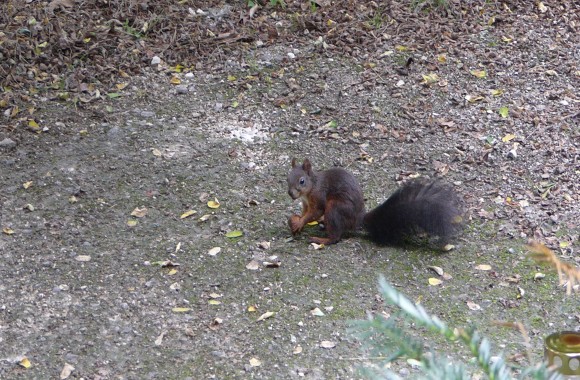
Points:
[[7, 143], [404, 372], [259, 43], [181, 89], [189, 75], [291, 55], [113, 131], [512, 154], [155, 61], [147, 113]]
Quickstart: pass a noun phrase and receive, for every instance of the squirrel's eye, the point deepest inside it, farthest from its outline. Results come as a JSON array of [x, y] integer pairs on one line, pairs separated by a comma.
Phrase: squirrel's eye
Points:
[[302, 181]]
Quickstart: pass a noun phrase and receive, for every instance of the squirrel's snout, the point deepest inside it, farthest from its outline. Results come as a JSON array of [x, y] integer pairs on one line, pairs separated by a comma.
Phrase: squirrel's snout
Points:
[[293, 193]]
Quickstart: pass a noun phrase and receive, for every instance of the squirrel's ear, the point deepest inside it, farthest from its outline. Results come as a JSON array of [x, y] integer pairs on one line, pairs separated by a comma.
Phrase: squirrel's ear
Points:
[[293, 163], [307, 166]]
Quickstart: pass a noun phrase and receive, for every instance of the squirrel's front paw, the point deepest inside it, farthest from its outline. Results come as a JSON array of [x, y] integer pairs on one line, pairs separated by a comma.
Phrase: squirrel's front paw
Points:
[[295, 225]]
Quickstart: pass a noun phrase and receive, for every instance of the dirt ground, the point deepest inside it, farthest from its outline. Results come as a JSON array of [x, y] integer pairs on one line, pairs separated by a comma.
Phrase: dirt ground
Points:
[[101, 271]]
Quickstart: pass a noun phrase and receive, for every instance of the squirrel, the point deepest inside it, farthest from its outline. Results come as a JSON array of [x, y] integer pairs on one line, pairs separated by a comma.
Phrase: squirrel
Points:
[[334, 197]]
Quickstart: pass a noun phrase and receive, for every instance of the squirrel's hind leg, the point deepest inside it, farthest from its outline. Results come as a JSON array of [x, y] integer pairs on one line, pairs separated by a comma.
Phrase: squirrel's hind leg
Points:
[[339, 217], [325, 241]]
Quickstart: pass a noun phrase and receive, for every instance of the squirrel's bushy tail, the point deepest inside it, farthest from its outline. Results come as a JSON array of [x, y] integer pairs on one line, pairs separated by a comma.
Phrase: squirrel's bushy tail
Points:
[[430, 207]]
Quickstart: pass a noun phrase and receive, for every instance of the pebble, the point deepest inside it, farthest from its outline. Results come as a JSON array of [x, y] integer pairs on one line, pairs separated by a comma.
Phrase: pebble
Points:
[[181, 89], [404, 372], [291, 55], [7, 143], [147, 113], [189, 75], [113, 131], [155, 61]]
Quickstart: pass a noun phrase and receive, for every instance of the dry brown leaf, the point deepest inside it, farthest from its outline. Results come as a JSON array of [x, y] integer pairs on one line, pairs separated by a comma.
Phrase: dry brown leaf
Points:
[[266, 315], [139, 212]]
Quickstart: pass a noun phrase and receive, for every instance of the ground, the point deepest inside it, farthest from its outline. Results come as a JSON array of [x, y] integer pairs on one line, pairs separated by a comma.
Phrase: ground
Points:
[[101, 270]]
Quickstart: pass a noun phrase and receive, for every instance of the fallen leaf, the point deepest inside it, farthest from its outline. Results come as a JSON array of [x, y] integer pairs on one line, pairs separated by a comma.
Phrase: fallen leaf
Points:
[[132, 222], [213, 204], [434, 281], [254, 362], [521, 293], [203, 218], [156, 152], [33, 125], [83, 258], [24, 362], [441, 58], [542, 7], [214, 251], [317, 246], [139, 212], [175, 80], [159, 339], [187, 214], [214, 302], [66, 371], [508, 137], [215, 324], [180, 309], [266, 315], [450, 247], [327, 344], [317, 312], [473, 306], [496, 92], [331, 124], [483, 267], [252, 309], [26, 185], [313, 223], [8, 230], [478, 73], [539, 276], [297, 350], [503, 111], [473, 98], [253, 265], [264, 245], [429, 79], [234, 234], [29, 207]]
